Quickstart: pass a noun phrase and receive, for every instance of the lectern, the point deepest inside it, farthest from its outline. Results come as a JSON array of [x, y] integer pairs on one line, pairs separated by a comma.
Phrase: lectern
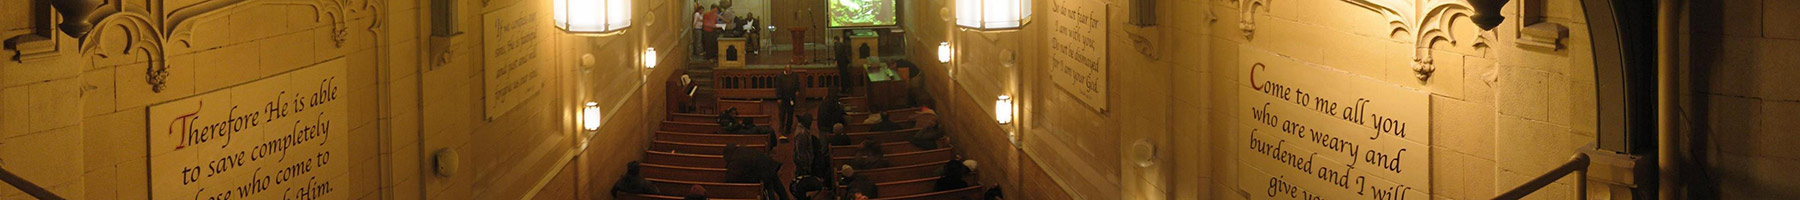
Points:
[[731, 52], [864, 43]]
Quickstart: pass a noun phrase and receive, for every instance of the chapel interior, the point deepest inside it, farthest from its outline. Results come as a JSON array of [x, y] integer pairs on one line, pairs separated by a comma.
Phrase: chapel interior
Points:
[[899, 99]]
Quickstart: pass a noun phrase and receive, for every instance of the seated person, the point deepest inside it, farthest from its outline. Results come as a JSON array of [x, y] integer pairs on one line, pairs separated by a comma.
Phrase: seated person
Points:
[[857, 184], [928, 135], [884, 125], [952, 175], [838, 137], [728, 118], [869, 156], [696, 193], [632, 182]]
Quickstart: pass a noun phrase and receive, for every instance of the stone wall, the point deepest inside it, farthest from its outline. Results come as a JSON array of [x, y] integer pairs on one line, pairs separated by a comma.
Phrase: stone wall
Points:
[[1501, 111], [1740, 100], [74, 113]]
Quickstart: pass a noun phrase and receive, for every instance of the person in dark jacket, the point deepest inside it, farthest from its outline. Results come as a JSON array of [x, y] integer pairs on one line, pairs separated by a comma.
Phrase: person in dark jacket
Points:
[[846, 77], [812, 156], [632, 183], [830, 111], [952, 176], [869, 156], [787, 91], [857, 184], [727, 119], [747, 165], [838, 137]]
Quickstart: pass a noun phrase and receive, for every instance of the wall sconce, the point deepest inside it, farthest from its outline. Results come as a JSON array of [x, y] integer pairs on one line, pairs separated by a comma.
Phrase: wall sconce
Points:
[[1487, 13], [1003, 110], [944, 52], [650, 58], [590, 116], [993, 14], [592, 16]]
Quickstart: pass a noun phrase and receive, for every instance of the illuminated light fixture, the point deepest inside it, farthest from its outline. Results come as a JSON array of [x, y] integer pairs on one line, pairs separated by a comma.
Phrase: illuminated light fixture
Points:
[[944, 52], [590, 116], [993, 14], [592, 16], [650, 58], [1003, 110]]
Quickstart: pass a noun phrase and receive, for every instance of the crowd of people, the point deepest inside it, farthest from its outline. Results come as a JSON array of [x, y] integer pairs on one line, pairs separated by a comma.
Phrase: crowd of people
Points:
[[718, 20], [812, 134]]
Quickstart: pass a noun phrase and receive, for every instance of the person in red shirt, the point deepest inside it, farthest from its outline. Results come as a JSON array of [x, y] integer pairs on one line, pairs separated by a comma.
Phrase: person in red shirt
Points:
[[711, 21]]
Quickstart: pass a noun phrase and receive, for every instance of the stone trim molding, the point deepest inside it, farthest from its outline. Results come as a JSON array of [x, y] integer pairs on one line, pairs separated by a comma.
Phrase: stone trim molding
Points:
[[148, 28]]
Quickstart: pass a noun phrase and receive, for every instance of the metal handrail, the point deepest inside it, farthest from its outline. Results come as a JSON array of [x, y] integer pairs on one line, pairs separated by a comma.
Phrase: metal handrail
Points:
[[1577, 165], [26, 186]]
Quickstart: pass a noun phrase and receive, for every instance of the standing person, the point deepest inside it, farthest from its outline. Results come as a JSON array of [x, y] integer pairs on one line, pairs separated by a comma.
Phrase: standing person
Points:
[[699, 42], [811, 156], [830, 111], [787, 90], [845, 76], [711, 39]]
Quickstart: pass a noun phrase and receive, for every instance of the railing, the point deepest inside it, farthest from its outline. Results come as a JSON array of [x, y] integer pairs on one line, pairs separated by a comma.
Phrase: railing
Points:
[[760, 83], [1577, 165], [24, 185]]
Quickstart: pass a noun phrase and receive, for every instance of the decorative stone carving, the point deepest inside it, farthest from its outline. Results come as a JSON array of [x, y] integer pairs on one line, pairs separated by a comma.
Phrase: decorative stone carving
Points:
[[141, 37], [1247, 21], [147, 30], [1427, 28]]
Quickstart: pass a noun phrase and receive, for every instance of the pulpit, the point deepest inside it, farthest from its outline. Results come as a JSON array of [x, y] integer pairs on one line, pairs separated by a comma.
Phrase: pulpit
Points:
[[864, 43], [887, 88], [799, 44], [731, 52]]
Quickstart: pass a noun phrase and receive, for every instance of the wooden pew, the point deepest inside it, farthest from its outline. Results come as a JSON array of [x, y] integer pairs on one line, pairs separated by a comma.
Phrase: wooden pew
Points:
[[901, 173], [888, 148], [969, 193], [714, 118], [904, 187], [687, 160], [711, 138], [904, 159], [664, 197], [745, 107], [702, 148], [713, 189], [896, 114], [883, 137], [857, 104], [680, 173], [861, 127]]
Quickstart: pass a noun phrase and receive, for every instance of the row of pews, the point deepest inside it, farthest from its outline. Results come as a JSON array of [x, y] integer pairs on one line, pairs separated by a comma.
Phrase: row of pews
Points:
[[686, 150]]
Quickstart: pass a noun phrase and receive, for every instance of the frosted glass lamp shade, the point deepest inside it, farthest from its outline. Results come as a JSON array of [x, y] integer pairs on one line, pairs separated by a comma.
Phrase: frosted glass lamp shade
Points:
[[590, 116], [592, 16], [1003, 110], [992, 14]]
